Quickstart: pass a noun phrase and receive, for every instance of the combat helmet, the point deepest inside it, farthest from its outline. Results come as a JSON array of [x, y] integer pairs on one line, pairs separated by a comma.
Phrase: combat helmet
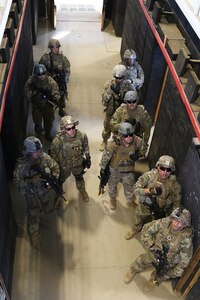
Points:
[[130, 54], [131, 96], [67, 120], [126, 128], [166, 161], [39, 69], [119, 71], [183, 215], [31, 144], [54, 43]]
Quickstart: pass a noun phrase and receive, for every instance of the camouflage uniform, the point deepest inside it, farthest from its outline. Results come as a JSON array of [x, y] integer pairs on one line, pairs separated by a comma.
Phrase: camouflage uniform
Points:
[[39, 199], [112, 101], [42, 110], [69, 153], [134, 71], [58, 67], [179, 244], [168, 200], [135, 74], [141, 116], [122, 166]]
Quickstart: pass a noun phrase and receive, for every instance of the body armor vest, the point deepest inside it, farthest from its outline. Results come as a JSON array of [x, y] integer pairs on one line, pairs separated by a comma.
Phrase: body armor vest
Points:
[[121, 160]]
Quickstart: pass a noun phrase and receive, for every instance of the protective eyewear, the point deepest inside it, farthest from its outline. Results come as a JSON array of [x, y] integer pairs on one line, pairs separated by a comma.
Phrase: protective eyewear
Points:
[[119, 78], [70, 128], [131, 101], [40, 74], [165, 169], [129, 134]]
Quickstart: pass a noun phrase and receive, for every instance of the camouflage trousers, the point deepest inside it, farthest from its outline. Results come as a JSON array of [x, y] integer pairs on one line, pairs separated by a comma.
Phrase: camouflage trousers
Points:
[[43, 114], [78, 175], [38, 205], [141, 213], [145, 261], [106, 131], [127, 179]]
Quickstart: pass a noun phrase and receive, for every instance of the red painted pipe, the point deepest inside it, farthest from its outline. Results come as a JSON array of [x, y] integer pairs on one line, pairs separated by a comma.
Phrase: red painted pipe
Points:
[[173, 71], [3, 103]]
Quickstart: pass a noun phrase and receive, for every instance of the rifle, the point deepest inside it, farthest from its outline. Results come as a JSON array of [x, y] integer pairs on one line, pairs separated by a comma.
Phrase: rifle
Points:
[[162, 265], [59, 77], [155, 210], [52, 181], [46, 95], [104, 179]]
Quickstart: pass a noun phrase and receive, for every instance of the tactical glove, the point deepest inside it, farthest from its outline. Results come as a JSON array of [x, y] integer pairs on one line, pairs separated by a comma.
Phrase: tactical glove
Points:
[[115, 89], [156, 190], [137, 128], [88, 161], [134, 156]]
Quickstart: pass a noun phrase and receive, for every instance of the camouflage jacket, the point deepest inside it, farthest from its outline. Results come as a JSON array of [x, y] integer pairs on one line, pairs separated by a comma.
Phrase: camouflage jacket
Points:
[[139, 114], [40, 91], [135, 74], [69, 152], [24, 174], [179, 243], [56, 63], [117, 155], [112, 100], [171, 190]]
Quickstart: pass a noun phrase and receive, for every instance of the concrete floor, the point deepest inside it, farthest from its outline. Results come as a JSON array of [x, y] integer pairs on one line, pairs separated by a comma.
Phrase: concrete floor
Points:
[[84, 254]]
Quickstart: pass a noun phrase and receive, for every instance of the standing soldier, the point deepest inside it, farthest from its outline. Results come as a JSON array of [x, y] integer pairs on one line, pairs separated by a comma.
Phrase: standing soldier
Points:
[[157, 193], [70, 149], [112, 97], [169, 248], [58, 67], [133, 113], [134, 71], [44, 94], [40, 197], [121, 155]]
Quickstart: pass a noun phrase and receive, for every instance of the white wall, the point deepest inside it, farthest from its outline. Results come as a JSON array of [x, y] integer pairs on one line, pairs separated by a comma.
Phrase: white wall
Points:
[[191, 9]]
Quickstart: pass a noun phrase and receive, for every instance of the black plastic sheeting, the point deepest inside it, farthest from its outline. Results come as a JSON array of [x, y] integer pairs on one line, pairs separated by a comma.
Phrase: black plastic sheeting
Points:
[[13, 133], [16, 109], [7, 228]]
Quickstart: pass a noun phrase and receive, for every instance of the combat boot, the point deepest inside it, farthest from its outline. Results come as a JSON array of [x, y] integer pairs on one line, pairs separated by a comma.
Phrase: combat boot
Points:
[[35, 240], [149, 285], [130, 234], [103, 145], [113, 203], [129, 276], [84, 196]]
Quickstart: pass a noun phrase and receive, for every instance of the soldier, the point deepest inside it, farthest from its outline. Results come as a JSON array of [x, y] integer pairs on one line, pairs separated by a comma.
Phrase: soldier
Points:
[[121, 156], [134, 72], [133, 113], [157, 193], [58, 67], [44, 94], [169, 248], [70, 149], [40, 197], [112, 98]]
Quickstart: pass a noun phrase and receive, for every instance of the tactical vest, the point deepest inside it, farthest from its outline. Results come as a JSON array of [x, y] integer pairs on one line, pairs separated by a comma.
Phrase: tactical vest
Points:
[[121, 160], [72, 151]]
